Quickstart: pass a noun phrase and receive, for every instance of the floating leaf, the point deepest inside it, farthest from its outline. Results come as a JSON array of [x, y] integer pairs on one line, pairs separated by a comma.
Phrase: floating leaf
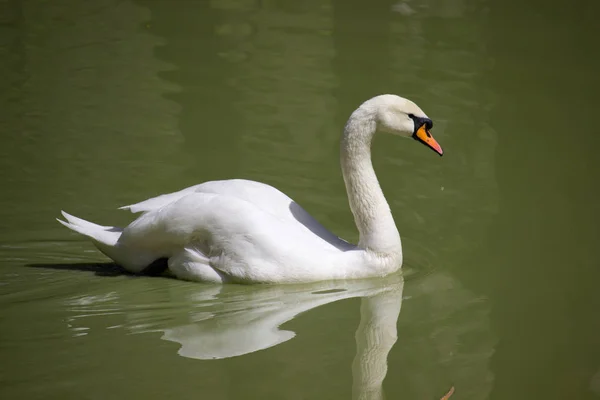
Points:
[[447, 395]]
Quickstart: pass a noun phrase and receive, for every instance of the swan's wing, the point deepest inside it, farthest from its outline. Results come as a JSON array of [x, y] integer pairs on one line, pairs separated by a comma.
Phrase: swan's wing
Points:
[[178, 222], [238, 238], [216, 224], [274, 202], [155, 203], [192, 215], [262, 195]]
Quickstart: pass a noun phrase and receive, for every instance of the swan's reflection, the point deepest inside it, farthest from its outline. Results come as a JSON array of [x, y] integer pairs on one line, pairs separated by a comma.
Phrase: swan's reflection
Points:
[[249, 321], [216, 322]]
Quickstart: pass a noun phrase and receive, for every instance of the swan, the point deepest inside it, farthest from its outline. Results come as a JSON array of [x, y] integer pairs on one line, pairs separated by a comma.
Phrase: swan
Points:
[[244, 231]]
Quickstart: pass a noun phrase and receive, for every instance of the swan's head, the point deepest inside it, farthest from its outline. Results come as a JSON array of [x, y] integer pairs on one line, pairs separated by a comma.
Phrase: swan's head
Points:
[[402, 117]]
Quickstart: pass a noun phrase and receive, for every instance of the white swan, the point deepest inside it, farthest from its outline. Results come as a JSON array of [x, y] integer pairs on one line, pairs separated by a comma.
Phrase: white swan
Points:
[[245, 231]]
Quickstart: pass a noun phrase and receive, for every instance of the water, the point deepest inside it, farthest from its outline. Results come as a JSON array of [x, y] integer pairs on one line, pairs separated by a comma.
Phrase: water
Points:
[[106, 103]]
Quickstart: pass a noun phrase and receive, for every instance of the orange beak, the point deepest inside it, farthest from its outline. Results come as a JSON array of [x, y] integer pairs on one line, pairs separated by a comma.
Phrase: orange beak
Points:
[[423, 136]]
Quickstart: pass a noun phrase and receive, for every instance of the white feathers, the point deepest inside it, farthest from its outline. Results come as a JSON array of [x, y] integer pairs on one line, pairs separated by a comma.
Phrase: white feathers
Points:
[[106, 235]]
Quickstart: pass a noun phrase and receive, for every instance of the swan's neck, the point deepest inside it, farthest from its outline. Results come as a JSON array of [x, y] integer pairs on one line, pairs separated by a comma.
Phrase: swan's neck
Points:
[[378, 232]]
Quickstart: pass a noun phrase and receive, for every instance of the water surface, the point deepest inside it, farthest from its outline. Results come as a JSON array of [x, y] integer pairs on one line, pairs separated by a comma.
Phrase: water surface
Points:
[[107, 103]]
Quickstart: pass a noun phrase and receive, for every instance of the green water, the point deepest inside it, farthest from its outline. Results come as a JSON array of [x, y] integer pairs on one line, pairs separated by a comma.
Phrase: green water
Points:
[[107, 103]]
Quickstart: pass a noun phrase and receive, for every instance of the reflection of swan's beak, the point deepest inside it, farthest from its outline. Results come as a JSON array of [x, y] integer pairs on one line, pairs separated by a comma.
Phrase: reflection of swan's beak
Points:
[[423, 136]]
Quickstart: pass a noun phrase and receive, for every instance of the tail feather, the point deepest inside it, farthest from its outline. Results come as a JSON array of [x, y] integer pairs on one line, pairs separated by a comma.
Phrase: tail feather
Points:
[[81, 222], [106, 239], [73, 227], [106, 235]]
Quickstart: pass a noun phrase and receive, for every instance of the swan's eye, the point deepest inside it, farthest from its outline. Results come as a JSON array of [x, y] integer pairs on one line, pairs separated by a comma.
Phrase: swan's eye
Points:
[[411, 116]]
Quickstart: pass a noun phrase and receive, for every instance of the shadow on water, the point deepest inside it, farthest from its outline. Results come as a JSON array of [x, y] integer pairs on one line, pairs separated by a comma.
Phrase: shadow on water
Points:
[[99, 269], [157, 268]]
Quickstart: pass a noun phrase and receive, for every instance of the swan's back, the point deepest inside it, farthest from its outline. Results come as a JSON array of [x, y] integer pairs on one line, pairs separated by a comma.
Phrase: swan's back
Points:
[[265, 197]]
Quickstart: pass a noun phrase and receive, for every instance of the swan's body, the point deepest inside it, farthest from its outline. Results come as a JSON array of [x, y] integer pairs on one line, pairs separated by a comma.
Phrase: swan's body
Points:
[[246, 231]]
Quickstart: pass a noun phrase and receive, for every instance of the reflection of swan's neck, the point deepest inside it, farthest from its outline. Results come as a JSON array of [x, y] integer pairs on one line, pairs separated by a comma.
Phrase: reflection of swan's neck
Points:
[[371, 211], [375, 336]]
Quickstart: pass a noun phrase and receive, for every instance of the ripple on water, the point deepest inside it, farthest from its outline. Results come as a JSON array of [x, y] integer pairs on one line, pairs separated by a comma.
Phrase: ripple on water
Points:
[[419, 260]]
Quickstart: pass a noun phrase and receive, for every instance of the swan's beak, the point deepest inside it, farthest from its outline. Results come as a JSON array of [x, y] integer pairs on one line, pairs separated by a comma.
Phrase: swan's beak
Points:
[[423, 136]]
